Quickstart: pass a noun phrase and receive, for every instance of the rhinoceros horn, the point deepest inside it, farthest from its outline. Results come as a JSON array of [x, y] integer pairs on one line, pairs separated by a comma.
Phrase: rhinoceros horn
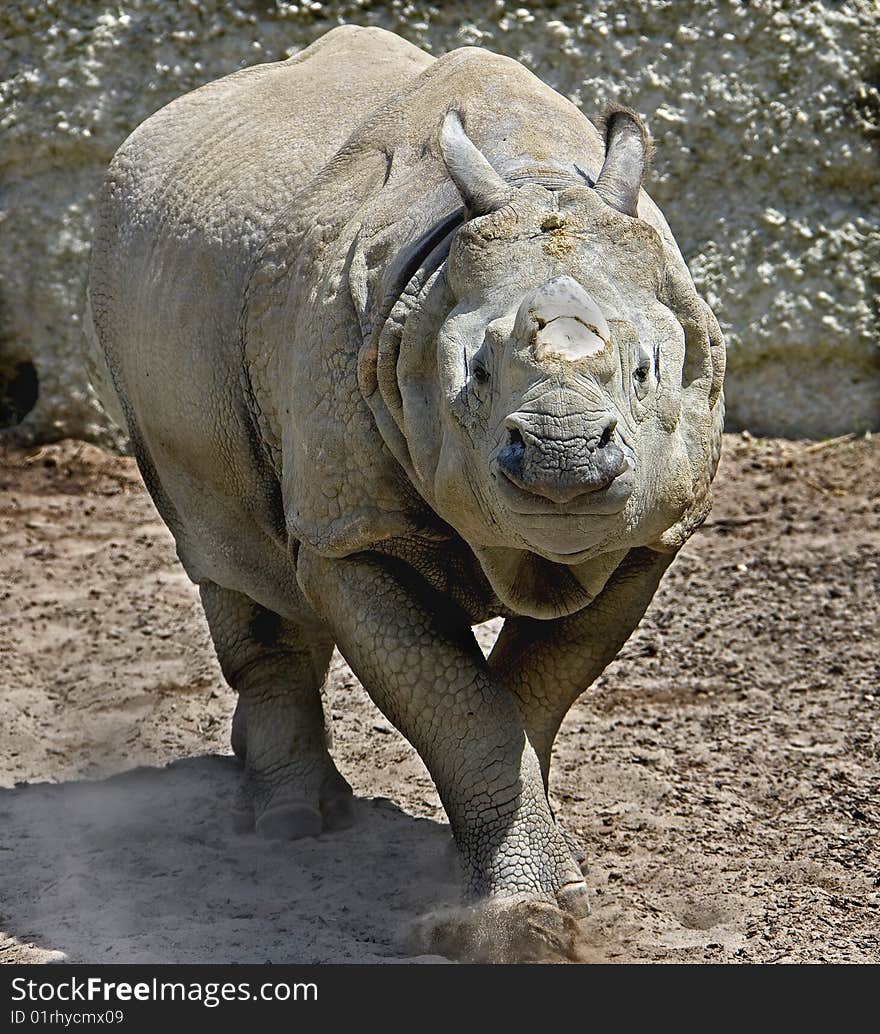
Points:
[[627, 150], [480, 186]]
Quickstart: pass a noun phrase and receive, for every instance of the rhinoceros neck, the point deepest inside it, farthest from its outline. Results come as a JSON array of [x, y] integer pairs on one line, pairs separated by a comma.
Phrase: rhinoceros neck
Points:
[[532, 586]]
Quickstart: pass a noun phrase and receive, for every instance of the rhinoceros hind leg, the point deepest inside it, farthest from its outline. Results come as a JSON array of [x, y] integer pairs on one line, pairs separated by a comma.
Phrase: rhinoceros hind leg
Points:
[[290, 788]]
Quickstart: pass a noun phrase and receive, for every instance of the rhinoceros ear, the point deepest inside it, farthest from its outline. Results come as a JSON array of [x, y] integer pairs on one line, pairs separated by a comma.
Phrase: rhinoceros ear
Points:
[[627, 155], [480, 186]]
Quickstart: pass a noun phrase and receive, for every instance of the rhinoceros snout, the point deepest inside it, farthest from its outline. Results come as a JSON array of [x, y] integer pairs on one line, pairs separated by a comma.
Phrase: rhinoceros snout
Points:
[[561, 470]]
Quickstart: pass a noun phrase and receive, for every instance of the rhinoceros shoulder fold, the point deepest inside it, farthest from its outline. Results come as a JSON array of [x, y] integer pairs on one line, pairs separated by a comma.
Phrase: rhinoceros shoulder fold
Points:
[[307, 297], [355, 451]]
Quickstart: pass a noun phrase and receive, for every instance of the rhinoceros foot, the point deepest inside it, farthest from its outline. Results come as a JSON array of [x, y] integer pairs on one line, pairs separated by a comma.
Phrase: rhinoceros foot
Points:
[[291, 804], [502, 930], [574, 846]]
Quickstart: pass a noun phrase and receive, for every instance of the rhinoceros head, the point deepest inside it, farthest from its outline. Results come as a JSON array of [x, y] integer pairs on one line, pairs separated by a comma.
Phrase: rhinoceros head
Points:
[[555, 377]]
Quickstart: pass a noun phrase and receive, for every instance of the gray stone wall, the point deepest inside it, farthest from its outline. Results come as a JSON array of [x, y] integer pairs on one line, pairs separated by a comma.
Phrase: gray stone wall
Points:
[[766, 116]]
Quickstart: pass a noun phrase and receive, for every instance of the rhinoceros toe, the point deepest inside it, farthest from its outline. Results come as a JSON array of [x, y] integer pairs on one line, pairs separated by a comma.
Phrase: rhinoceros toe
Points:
[[291, 820], [338, 811], [574, 899], [285, 807]]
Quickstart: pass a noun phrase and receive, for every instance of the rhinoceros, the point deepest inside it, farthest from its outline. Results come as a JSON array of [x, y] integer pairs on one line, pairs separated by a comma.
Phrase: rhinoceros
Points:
[[401, 345]]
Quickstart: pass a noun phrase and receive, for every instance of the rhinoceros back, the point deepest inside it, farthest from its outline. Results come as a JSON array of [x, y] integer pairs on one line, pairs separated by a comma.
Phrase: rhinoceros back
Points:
[[187, 202]]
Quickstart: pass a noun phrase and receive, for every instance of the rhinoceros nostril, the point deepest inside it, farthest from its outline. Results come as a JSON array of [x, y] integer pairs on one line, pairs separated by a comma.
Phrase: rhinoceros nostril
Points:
[[607, 435], [512, 456]]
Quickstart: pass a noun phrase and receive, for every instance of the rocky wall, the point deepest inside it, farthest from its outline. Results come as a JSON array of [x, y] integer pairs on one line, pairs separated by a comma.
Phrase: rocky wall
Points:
[[766, 117]]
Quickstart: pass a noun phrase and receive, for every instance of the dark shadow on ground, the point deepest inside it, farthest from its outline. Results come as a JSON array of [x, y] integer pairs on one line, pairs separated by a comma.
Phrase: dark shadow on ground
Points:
[[144, 867]]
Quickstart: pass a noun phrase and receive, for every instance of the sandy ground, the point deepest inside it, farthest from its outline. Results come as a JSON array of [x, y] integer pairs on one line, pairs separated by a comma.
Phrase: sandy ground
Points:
[[724, 774]]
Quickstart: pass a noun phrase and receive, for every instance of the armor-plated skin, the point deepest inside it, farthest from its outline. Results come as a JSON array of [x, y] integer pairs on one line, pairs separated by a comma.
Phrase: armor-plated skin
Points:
[[401, 346]]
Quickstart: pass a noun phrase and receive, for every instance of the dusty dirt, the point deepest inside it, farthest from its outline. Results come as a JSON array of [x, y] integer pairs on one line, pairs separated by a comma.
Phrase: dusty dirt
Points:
[[724, 774]]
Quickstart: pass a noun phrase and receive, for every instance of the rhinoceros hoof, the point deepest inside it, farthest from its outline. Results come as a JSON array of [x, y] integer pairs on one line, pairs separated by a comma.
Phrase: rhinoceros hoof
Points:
[[292, 815], [574, 899], [504, 930], [337, 811], [290, 821]]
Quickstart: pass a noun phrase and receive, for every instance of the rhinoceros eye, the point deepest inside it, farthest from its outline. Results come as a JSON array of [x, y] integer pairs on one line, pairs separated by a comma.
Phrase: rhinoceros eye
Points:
[[642, 371], [480, 363]]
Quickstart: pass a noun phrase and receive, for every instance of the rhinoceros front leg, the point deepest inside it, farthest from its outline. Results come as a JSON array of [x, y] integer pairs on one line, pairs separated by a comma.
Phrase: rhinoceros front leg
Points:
[[418, 660], [291, 787], [547, 665]]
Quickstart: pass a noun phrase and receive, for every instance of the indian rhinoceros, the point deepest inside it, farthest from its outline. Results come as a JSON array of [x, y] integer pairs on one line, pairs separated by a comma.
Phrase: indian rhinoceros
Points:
[[401, 345]]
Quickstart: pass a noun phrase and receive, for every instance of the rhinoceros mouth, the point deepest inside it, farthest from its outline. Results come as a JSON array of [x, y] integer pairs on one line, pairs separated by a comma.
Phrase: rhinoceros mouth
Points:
[[605, 502]]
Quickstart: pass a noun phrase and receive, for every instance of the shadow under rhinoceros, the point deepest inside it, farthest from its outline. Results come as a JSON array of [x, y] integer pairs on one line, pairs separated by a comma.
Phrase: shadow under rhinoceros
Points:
[[144, 867]]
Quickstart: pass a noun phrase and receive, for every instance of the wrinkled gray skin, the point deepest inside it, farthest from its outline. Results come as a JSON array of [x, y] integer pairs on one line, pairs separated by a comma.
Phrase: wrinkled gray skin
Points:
[[401, 346]]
